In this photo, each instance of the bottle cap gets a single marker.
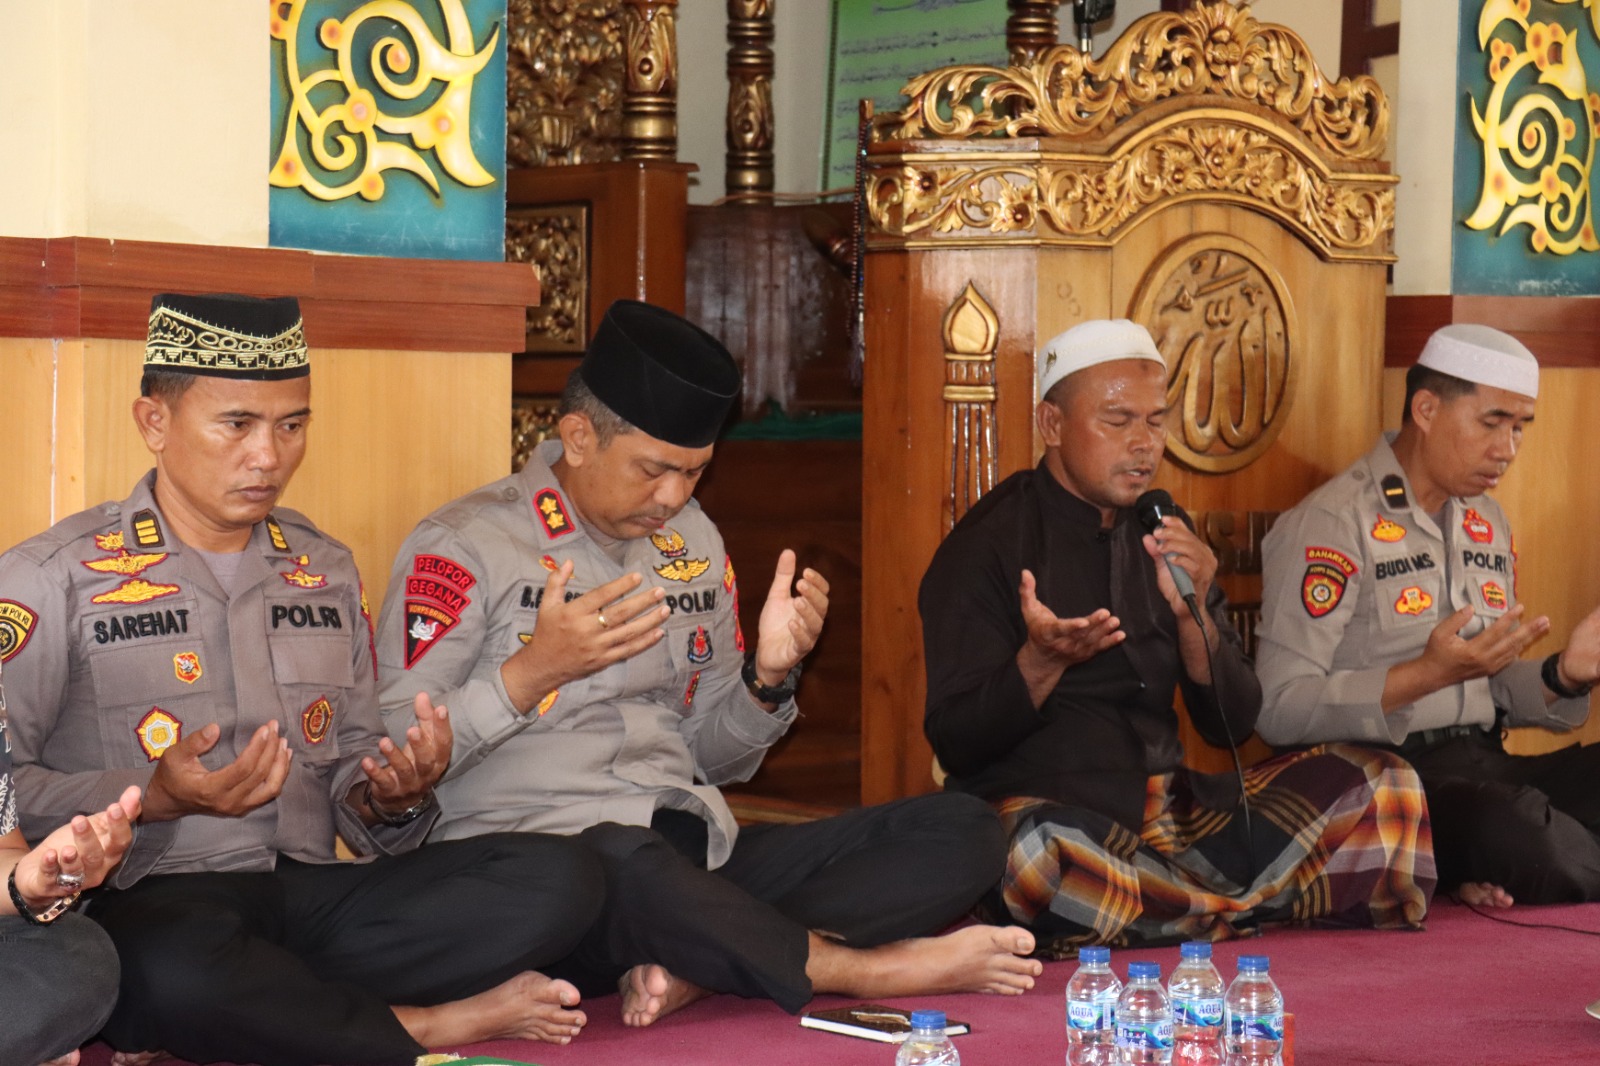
(927, 1019)
(1253, 964)
(1093, 956)
(1139, 970)
(1195, 949)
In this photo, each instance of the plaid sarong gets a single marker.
(1340, 836)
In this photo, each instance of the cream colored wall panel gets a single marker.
(27, 370)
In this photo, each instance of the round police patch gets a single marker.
(16, 626)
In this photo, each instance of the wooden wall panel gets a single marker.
(1550, 498)
(29, 386)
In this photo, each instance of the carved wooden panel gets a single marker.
(564, 74)
(555, 239)
(971, 335)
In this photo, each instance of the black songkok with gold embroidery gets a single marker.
(223, 335)
(662, 373)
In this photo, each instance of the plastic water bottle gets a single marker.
(1253, 1016)
(927, 1045)
(1196, 991)
(1144, 1018)
(1092, 1010)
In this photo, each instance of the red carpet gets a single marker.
(1467, 992)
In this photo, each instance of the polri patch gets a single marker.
(1394, 492)
(552, 513)
(683, 569)
(1477, 528)
(135, 590)
(426, 623)
(147, 530)
(157, 731)
(275, 534)
(1494, 596)
(1387, 531)
(699, 646)
(1413, 601)
(16, 626)
(299, 578)
(669, 543)
(315, 720)
(186, 667)
(688, 693)
(126, 563)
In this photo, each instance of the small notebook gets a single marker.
(871, 1021)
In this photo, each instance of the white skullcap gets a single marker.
(1091, 343)
(1484, 356)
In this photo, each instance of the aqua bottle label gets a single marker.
(1096, 1016)
(1267, 1026)
(1151, 1035)
(1205, 1011)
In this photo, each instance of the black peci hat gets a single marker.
(662, 373)
(223, 335)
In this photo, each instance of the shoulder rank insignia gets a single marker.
(298, 577)
(315, 720)
(157, 731)
(1494, 597)
(186, 666)
(1413, 601)
(548, 702)
(669, 543)
(1394, 492)
(1387, 531)
(147, 530)
(1477, 527)
(699, 646)
(109, 542)
(125, 563)
(683, 569)
(275, 533)
(135, 590)
(552, 513)
(16, 626)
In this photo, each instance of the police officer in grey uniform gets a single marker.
(580, 618)
(214, 649)
(1390, 616)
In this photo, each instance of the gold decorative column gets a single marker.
(1030, 29)
(750, 121)
(650, 87)
(971, 335)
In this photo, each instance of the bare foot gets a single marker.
(530, 1006)
(650, 993)
(1482, 894)
(136, 1058)
(69, 1059)
(978, 958)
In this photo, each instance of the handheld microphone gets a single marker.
(1150, 509)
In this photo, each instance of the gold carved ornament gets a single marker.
(1090, 200)
(564, 73)
(971, 333)
(1222, 317)
(443, 128)
(554, 239)
(750, 115)
(1210, 49)
(1523, 128)
(534, 420)
(650, 79)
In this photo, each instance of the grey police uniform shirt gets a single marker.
(659, 730)
(118, 641)
(1354, 580)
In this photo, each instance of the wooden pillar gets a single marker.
(750, 115)
(1030, 29)
(650, 86)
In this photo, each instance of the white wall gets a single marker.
(1423, 141)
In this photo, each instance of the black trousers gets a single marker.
(1527, 823)
(866, 877)
(299, 967)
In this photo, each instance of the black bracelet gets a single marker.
(44, 917)
(1550, 674)
(781, 693)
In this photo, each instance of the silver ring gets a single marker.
(600, 616)
(71, 882)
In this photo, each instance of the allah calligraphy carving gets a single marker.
(1223, 319)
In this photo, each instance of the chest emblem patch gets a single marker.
(552, 513)
(1388, 532)
(186, 666)
(16, 626)
(157, 731)
(699, 646)
(315, 720)
(125, 563)
(304, 580)
(135, 590)
(683, 569)
(669, 543)
(109, 542)
(1477, 528)
(1413, 601)
(688, 693)
(1494, 596)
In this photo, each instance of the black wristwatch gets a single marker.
(780, 693)
(1550, 674)
(33, 917)
(405, 817)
